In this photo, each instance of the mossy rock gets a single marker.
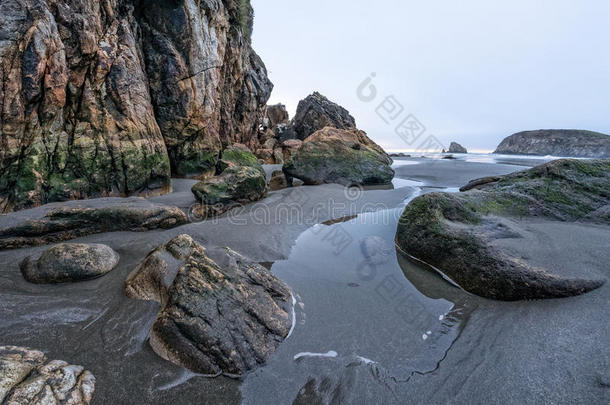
(451, 231)
(195, 162)
(340, 156)
(233, 157)
(234, 186)
(88, 169)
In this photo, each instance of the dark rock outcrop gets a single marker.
(317, 112)
(27, 378)
(68, 262)
(453, 231)
(557, 142)
(340, 156)
(103, 98)
(455, 147)
(59, 222)
(214, 319)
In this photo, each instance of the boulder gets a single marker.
(557, 142)
(238, 155)
(241, 180)
(62, 221)
(69, 262)
(27, 378)
(278, 181)
(454, 232)
(316, 112)
(346, 157)
(225, 318)
(265, 156)
(235, 186)
(276, 115)
(278, 156)
(290, 146)
(455, 147)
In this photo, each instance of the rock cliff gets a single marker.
(109, 98)
(557, 142)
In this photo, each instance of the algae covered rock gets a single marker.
(217, 317)
(239, 155)
(67, 262)
(27, 378)
(62, 221)
(241, 181)
(340, 156)
(453, 231)
(236, 185)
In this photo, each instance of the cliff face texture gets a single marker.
(109, 98)
(557, 142)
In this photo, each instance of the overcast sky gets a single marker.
(473, 71)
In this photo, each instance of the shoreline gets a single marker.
(338, 308)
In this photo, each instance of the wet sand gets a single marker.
(384, 329)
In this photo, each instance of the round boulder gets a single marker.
(70, 262)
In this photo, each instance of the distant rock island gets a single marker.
(456, 148)
(557, 142)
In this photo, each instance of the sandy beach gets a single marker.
(369, 328)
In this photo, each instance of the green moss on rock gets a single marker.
(451, 231)
(340, 156)
(235, 185)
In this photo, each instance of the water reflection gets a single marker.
(385, 318)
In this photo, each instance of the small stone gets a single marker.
(278, 181)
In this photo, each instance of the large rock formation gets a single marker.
(281, 136)
(67, 262)
(456, 148)
(58, 222)
(102, 98)
(340, 156)
(316, 112)
(557, 142)
(455, 232)
(214, 319)
(27, 378)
